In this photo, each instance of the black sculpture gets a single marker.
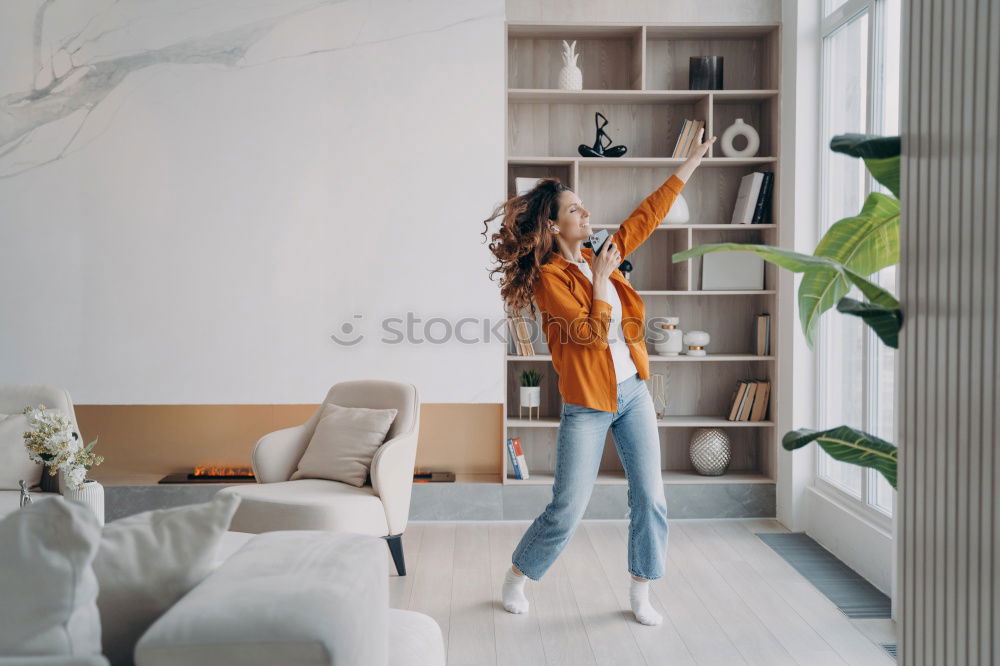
(599, 149)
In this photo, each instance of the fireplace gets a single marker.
(213, 474)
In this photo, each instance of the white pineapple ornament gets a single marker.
(570, 76)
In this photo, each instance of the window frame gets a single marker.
(838, 19)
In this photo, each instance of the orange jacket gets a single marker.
(576, 326)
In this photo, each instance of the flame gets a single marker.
(222, 470)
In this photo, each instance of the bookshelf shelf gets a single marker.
(694, 292)
(609, 478)
(696, 227)
(625, 162)
(665, 422)
(636, 75)
(656, 358)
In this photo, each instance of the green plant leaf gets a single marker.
(868, 241)
(867, 146)
(864, 244)
(826, 281)
(885, 321)
(880, 153)
(90, 447)
(849, 445)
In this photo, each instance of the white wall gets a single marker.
(214, 188)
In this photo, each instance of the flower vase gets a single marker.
(91, 495)
(50, 483)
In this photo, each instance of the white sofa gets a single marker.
(296, 598)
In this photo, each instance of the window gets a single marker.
(860, 94)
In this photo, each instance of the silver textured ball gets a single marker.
(711, 451)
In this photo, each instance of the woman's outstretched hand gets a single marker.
(694, 159)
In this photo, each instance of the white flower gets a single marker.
(75, 476)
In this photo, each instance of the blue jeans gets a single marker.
(579, 446)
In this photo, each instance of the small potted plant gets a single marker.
(531, 392)
(54, 443)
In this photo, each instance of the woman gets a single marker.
(594, 323)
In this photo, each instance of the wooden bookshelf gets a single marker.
(636, 75)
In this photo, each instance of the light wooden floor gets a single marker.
(726, 599)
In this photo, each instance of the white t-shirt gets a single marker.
(624, 366)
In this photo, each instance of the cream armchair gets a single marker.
(381, 509)
(14, 462)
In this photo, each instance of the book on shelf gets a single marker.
(738, 397)
(762, 211)
(522, 337)
(759, 410)
(513, 458)
(687, 137)
(680, 138)
(746, 198)
(763, 334)
(749, 402)
(517, 461)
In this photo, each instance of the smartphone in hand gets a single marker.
(597, 241)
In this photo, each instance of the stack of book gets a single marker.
(750, 400)
(686, 140)
(521, 336)
(753, 201)
(762, 334)
(516, 455)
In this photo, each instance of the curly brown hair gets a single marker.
(524, 241)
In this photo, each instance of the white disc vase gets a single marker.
(739, 128)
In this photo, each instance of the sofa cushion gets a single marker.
(14, 462)
(308, 504)
(284, 598)
(344, 443)
(150, 560)
(48, 592)
(414, 639)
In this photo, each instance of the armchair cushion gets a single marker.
(148, 561)
(308, 504)
(344, 443)
(284, 598)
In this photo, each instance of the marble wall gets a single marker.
(195, 195)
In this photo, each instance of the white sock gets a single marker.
(514, 600)
(638, 596)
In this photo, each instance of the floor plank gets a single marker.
(605, 624)
(471, 638)
(659, 644)
(726, 598)
(518, 637)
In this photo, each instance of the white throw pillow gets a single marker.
(344, 443)
(14, 461)
(148, 561)
(48, 592)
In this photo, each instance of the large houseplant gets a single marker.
(851, 250)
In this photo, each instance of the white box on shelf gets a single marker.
(523, 185)
(731, 271)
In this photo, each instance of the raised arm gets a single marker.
(648, 215)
